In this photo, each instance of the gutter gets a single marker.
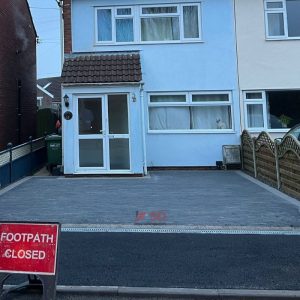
(102, 84)
(143, 128)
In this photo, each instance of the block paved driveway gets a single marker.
(214, 198)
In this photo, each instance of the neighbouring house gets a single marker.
(268, 43)
(17, 73)
(49, 93)
(148, 84)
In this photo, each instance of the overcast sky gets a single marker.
(46, 19)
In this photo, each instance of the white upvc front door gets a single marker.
(102, 134)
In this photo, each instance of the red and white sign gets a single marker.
(28, 248)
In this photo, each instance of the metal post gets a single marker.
(254, 158)
(10, 146)
(49, 287)
(31, 155)
(3, 277)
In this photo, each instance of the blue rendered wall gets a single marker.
(203, 66)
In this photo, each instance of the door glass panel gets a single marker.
(91, 153)
(119, 154)
(118, 114)
(90, 116)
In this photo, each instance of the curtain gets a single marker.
(275, 24)
(190, 22)
(255, 115)
(211, 117)
(163, 118)
(104, 25)
(210, 97)
(167, 98)
(191, 117)
(124, 28)
(160, 29)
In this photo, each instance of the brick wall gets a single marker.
(17, 64)
(67, 27)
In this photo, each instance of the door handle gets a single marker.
(102, 131)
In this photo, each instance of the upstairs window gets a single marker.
(282, 18)
(160, 24)
(114, 25)
(170, 23)
(153, 23)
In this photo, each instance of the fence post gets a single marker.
(254, 158)
(242, 153)
(276, 143)
(10, 146)
(31, 155)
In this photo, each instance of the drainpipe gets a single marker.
(143, 128)
(61, 25)
(239, 92)
(19, 111)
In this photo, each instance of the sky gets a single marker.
(46, 18)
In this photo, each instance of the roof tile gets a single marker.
(102, 68)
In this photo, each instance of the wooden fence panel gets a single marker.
(265, 159)
(247, 153)
(266, 166)
(275, 163)
(289, 166)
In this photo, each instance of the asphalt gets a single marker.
(195, 261)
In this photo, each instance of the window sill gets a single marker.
(228, 131)
(279, 130)
(149, 43)
(279, 39)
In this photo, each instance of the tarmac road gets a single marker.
(180, 260)
(202, 261)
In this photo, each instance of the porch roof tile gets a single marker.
(102, 69)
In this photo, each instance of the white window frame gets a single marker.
(137, 16)
(199, 22)
(190, 103)
(262, 101)
(285, 21)
(178, 14)
(145, 16)
(115, 17)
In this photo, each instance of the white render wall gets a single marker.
(263, 64)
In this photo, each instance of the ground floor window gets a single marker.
(271, 109)
(190, 112)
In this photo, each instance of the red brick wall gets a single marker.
(67, 26)
(17, 62)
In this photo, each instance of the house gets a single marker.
(49, 93)
(148, 84)
(17, 73)
(268, 43)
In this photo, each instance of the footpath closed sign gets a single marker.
(28, 248)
